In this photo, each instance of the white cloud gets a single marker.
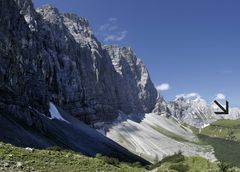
(115, 37)
(188, 95)
(220, 96)
(111, 32)
(192, 95)
(163, 87)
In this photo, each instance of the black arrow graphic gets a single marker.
(224, 111)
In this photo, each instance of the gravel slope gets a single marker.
(154, 137)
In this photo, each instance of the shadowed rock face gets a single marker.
(21, 79)
(66, 64)
(48, 56)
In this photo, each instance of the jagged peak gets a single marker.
(50, 14)
(188, 97)
(80, 29)
(117, 47)
(48, 7)
(126, 52)
(74, 17)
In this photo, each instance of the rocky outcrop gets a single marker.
(27, 11)
(161, 107)
(134, 90)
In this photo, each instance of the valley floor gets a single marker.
(224, 136)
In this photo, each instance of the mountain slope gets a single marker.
(154, 137)
(69, 133)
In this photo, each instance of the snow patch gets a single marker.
(55, 113)
(205, 125)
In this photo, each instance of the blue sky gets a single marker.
(192, 46)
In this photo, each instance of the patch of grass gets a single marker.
(224, 129)
(224, 136)
(225, 150)
(227, 123)
(169, 134)
(56, 159)
(179, 163)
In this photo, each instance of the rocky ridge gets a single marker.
(194, 111)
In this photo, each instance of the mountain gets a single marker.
(196, 112)
(52, 62)
(193, 110)
(77, 70)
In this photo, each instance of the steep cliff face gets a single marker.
(26, 9)
(70, 67)
(94, 92)
(22, 84)
(134, 89)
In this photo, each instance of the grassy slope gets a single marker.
(227, 151)
(224, 136)
(179, 163)
(56, 159)
(14, 159)
(225, 129)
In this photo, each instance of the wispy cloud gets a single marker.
(112, 19)
(228, 71)
(163, 87)
(110, 31)
(104, 27)
(115, 37)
